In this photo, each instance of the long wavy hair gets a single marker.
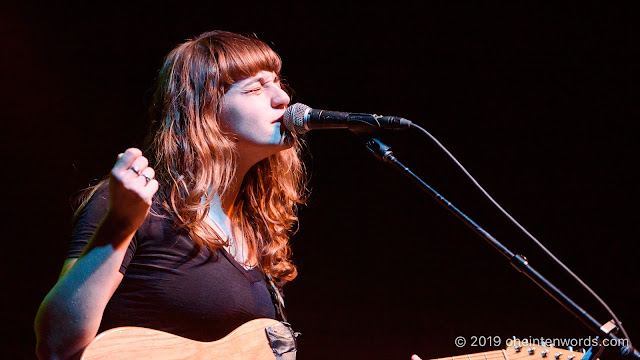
(194, 158)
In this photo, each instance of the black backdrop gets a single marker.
(538, 101)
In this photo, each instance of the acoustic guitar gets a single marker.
(251, 342)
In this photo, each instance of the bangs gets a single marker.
(248, 61)
(239, 57)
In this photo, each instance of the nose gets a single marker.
(280, 99)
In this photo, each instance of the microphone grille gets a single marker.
(293, 118)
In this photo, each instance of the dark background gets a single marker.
(539, 101)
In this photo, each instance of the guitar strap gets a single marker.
(276, 297)
(281, 337)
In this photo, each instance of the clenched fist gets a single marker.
(131, 190)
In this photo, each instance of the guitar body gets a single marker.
(248, 341)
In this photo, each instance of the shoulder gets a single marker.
(93, 203)
(97, 197)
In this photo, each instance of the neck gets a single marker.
(220, 210)
(228, 196)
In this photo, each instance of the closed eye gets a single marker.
(253, 90)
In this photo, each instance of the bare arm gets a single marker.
(70, 315)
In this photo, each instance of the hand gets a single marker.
(131, 190)
(415, 357)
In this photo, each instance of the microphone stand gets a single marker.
(383, 153)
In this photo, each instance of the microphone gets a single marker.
(300, 118)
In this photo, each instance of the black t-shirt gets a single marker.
(170, 286)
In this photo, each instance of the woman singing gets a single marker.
(184, 238)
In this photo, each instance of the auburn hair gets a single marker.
(194, 159)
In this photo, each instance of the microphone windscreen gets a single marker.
(293, 118)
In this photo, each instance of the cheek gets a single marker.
(227, 124)
(240, 126)
(247, 121)
(230, 118)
